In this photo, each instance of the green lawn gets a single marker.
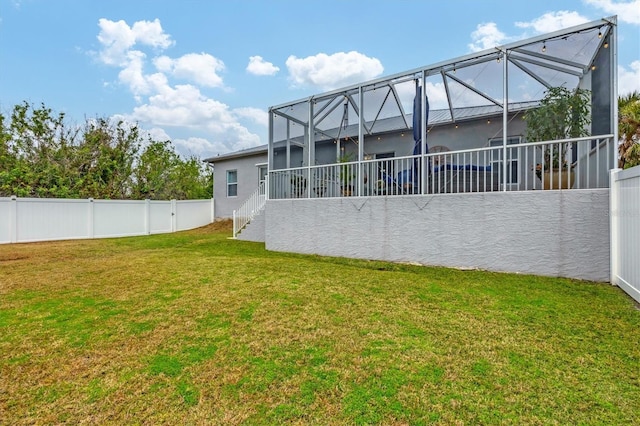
(193, 328)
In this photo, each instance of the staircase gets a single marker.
(252, 207)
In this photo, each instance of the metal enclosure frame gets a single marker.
(506, 78)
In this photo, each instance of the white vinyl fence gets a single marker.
(45, 219)
(625, 230)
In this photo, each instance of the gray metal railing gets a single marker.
(577, 163)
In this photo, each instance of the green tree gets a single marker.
(153, 172)
(162, 174)
(41, 155)
(36, 149)
(105, 158)
(194, 179)
(562, 114)
(629, 130)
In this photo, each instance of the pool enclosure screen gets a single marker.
(472, 105)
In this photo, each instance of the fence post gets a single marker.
(13, 219)
(147, 216)
(614, 211)
(174, 218)
(91, 214)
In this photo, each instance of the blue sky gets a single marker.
(204, 73)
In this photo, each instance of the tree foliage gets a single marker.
(629, 130)
(562, 114)
(42, 156)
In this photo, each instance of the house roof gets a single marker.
(256, 150)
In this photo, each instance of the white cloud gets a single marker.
(158, 134)
(166, 107)
(151, 34)
(437, 95)
(200, 68)
(628, 12)
(200, 147)
(259, 66)
(553, 21)
(117, 38)
(132, 73)
(486, 36)
(254, 114)
(190, 146)
(629, 80)
(332, 71)
(184, 106)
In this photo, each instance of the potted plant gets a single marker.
(562, 114)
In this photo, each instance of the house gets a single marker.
(236, 176)
(433, 166)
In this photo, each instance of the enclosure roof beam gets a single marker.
(397, 98)
(549, 66)
(380, 109)
(530, 73)
(333, 108)
(551, 58)
(288, 117)
(448, 93)
(466, 64)
(481, 56)
(357, 110)
(562, 33)
(473, 89)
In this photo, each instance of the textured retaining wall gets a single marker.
(554, 233)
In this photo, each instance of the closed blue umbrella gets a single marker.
(417, 134)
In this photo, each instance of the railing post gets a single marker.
(234, 224)
(505, 117)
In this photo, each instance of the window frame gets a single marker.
(231, 184)
(262, 172)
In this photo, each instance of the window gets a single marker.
(232, 183)
(262, 173)
(385, 168)
(512, 159)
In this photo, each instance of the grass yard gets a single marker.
(193, 328)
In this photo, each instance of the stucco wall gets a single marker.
(555, 233)
(248, 180)
(254, 231)
(468, 135)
